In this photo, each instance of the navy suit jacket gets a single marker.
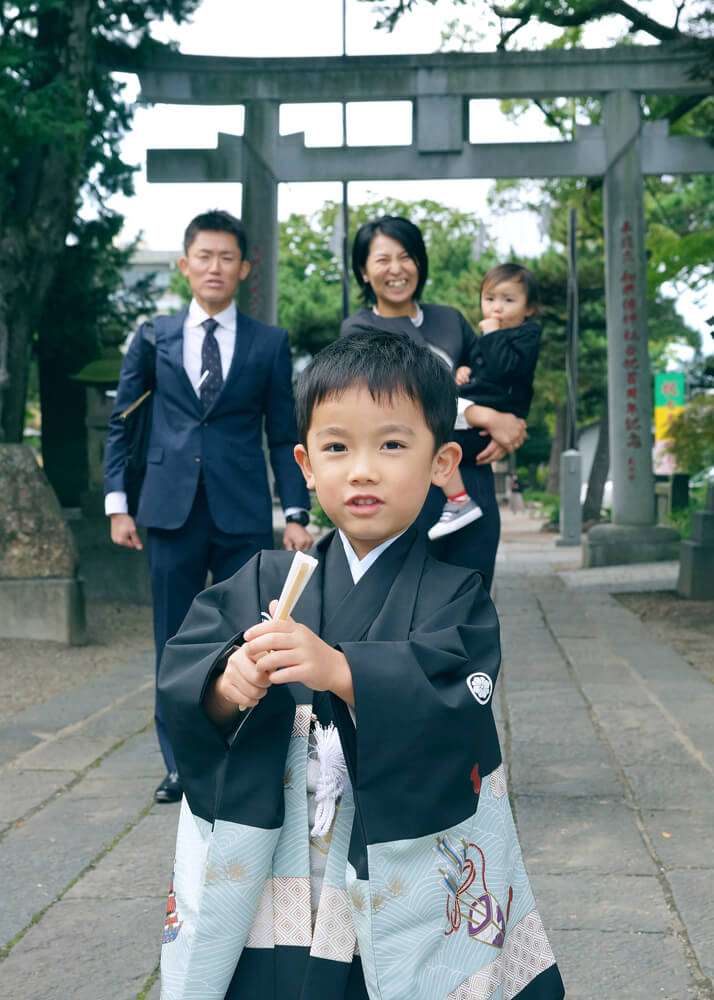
(225, 442)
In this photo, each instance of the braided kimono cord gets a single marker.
(333, 773)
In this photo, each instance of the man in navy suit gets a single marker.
(205, 501)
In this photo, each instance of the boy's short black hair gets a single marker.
(514, 272)
(216, 221)
(387, 364)
(399, 229)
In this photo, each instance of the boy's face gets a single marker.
(214, 268)
(507, 302)
(371, 463)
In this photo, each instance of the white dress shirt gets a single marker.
(193, 336)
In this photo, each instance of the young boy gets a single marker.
(501, 376)
(423, 894)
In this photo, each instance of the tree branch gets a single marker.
(507, 35)
(684, 106)
(549, 117)
(590, 11)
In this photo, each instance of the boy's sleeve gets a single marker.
(190, 661)
(240, 780)
(425, 731)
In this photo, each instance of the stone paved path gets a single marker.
(609, 745)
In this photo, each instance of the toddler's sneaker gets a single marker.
(455, 516)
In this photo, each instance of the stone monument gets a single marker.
(41, 596)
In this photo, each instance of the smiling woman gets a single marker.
(391, 265)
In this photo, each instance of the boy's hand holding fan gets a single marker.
(243, 677)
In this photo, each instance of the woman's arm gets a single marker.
(507, 431)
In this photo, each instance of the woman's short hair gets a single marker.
(399, 229)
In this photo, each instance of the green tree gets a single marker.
(87, 312)
(61, 118)
(692, 435)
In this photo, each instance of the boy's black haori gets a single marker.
(424, 892)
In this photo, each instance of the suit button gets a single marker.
(197, 459)
(204, 423)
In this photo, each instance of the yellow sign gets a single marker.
(664, 415)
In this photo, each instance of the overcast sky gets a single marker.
(314, 27)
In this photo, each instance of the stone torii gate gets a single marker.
(439, 87)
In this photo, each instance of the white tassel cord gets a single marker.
(333, 774)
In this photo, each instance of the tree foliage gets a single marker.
(61, 118)
(87, 311)
(692, 435)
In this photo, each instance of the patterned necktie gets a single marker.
(210, 362)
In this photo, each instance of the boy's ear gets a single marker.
(245, 268)
(303, 460)
(183, 265)
(445, 463)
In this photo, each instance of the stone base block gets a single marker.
(696, 571)
(48, 608)
(619, 544)
(110, 572)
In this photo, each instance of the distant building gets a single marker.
(162, 264)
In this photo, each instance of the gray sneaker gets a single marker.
(455, 516)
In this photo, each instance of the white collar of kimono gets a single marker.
(416, 320)
(358, 567)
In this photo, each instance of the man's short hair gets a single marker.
(514, 272)
(216, 221)
(399, 229)
(387, 364)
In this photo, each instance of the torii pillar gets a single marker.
(633, 535)
(259, 293)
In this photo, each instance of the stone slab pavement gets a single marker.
(609, 748)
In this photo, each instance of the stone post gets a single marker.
(259, 294)
(696, 567)
(633, 535)
(571, 509)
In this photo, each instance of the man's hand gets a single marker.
(287, 651)
(463, 374)
(489, 325)
(297, 539)
(124, 532)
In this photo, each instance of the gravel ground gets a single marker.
(33, 671)
(686, 625)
